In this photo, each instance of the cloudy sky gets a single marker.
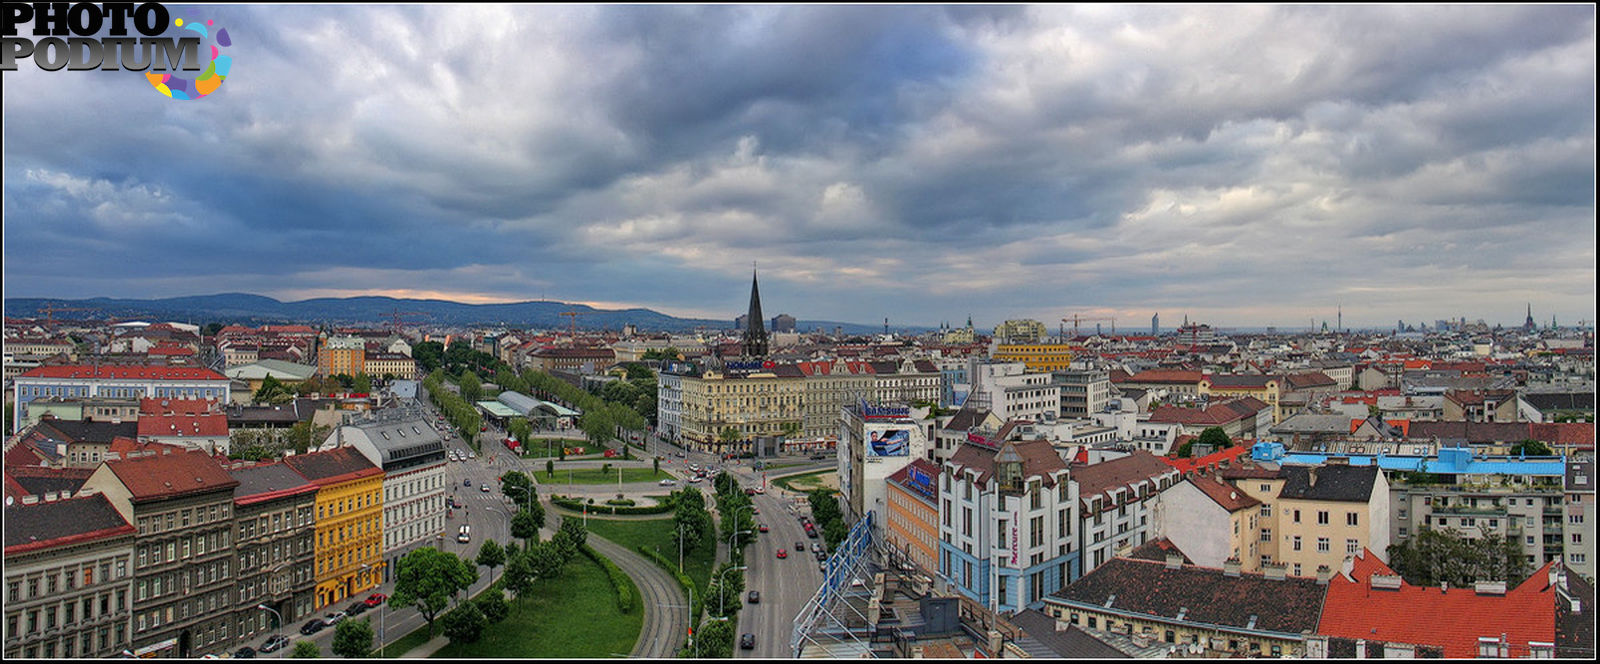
(1247, 165)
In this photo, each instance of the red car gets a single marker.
(376, 598)
(763, 527)
(783, 553)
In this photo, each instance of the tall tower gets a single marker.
(1155, 325)
(755, 331)
(1339, 326)
(1529, 325)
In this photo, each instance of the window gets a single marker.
(1266, 534)
(1322, 545)
(1350, 519)
(1352, 546)
(1402, 513)
(1297, 516)
(1266, 510)
(1296, 542)
(1322, 517)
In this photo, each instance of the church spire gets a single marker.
(755, 331)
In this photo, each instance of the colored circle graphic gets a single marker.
(183, 85)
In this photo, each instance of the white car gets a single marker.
(666, 482)
(694, 480)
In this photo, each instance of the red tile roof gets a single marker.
(1210, 461)
(208, 425)
(1095, 479)
(133, 372)
(177, 406)
(1166, 376)
(171, 475)
(1224, 494)
(1453, 619)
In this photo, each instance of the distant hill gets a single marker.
(257, 309)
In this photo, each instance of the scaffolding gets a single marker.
(835, 619)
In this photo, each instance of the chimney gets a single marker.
(1444, 587)
(1490, 588)
(1348, 568)
(1311, 476)
(1275, 572)
(1324, 574)
(1230, 567)
(51, 496)
(1174, 561)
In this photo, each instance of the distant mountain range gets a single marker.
(248, 309)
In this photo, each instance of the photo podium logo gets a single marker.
(119, 36)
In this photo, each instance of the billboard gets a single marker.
(888, 442)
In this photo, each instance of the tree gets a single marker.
(834, 532)
(727, 591)
(790, 429)
(518, 487)
(729, 435)
(465, 623)
(272, 391)
(490, 555)
(691, 522)
(1531, 447)
(545, 560)
(1215, 437)
(305, 434)
(655, 465)
(362, 383)
(549, 468)
(353, 638)
(493, 605)
(306, 650)
(1431, 556)
(575, 530)
(597, 425)
(526, 523)
(429, 355)
(428, 579)
(471, 387)
(519, 574)
(715, 639)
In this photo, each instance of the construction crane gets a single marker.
(50, 309)
(1080, 318)
(397, 315)
(572, 327)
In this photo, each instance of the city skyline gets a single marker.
(1247, 166)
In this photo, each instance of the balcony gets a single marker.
(1467, 510)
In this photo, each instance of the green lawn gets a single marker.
(804, 482)
(573, 615)
(416, 638)
(657, 533)
(594, 476)
(535, 449)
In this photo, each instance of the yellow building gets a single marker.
(349, 539)
(1024, 330)
(1320, 514)
(342, 355)
(761, 403)
(1264, 485)
(1265, 388)
(1038, 358)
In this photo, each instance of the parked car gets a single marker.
(334, 618)
(356, 609)
(244, 653)
(376, 598)
(817, 457)
(747, 641)
(816, 547)
(821, 555)
(811, 532)
(471, 454)
(274, 642)
(754, 597)
(312, 627)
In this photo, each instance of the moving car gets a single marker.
(312, 627)
(747, 641)
(465, 535)
(376, 598)
(762, 527)
(783, 553)
(754, 597)
(665, 483)
(466, 482)
(274, 642)
(799, 546)
(484, 488)
(817, 457)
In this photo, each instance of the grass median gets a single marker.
(657, 534)
(595, 476)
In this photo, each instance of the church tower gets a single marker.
(755, 331)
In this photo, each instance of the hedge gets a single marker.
(577, 506)
(683, 579)
(626, 601)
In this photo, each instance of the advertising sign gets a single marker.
(889, 442)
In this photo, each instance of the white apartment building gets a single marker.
(1118, 504)
(412, 456)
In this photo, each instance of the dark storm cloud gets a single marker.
(1252, 163)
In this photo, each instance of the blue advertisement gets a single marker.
(889, 443)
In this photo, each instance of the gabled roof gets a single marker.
(1039, 459)
(1350, 484)
(123, 372)
(264, 482)
(1429, 615)
(335, 466)
(75, 431)
(1223, 494)
(55, 523)
(1163, 376)
(1071, 643)
(1099, 478)
(170, 475)
(40, 480)
(1201, 594)
(1247, 381)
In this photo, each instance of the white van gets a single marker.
(465, 535)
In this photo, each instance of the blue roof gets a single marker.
(1450, 461)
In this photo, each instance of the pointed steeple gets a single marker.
(755, 331)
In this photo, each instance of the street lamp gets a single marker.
(722, 592)
(264, 607)
(735, 531)
(380, 620)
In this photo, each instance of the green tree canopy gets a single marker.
(714, 639)
(1531, 447)
(353, 638)
(306, 650)
(493, 605)
(465, 623)
(428, 579)
(1432, 556)
(519, 488)
(273, 391)
(471, 387)
(362, 383)
(491, 555)
(1215, 437)
(525, 524)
